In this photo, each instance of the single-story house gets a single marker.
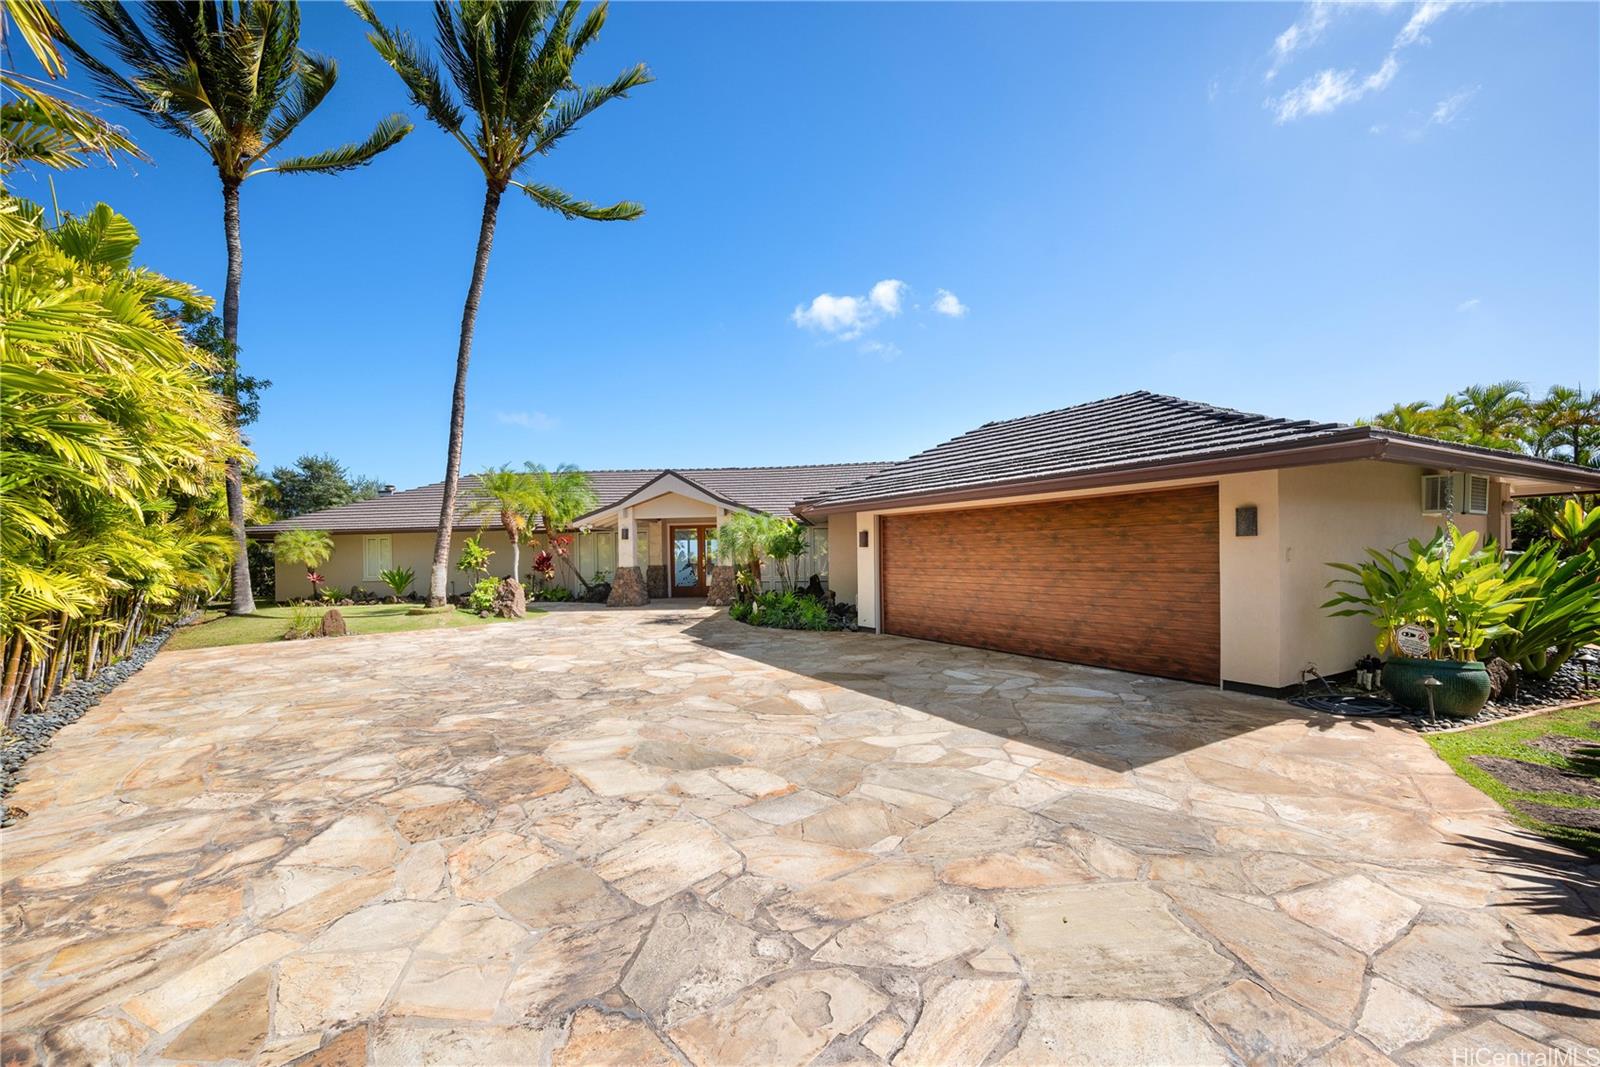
(1142, 532)
(669, 518)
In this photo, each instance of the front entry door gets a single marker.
(694, 548)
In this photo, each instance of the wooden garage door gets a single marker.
(1129, 581)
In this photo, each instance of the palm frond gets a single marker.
(548, 196)
(389, 132)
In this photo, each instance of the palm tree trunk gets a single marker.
(438, 578)
(244, 601)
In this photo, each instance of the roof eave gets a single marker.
(1329, 451)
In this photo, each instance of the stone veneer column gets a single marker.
(627, 589)
(627, 585)
(720, 590)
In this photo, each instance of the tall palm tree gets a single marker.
(510, 65)
(557, 498)
(509, 494)
(230, 76)
(1495, 415)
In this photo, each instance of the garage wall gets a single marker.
(1333, 513)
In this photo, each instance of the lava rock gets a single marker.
(332, 624)
(509, 602)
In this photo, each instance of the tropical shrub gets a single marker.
(308, 548)
(398, 579)
(332, 594)
(785, 611)
(474, 557)
(112, 444)
(1561, 613)
(482, 596)
(745, 540)
(1459, 592)
(554, 594)
(304, 621)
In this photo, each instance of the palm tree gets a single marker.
(1416, 417)
(232, 78)
(510, 65)
(1565, 418)
(557, 498)
(309, 548)
(508, 493)
(1494, 415)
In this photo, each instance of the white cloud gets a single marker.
(1468, 305)
(530, 420)
(946, 303)
(1329, 90)
(1303, 33)
(885, 296)
(1449, 109)
(886, 350)
(844, 316)
(1425, 15)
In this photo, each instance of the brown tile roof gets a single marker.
(771, 489)
(1130, 437)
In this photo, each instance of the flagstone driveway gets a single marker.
(658, 836)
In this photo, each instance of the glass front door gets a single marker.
(693, 549)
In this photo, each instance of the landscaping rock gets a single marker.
(30, 732)
(509, 602)
(1502, 679)
(332, 625)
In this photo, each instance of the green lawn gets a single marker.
(1511, 740)
(216, 629)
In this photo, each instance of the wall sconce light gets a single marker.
(1244, 521)
(861, 539)
(624, 533)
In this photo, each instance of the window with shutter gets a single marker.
(377, 557)
(1436, 493)
(1477, 494)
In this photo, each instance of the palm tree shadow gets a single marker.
(1550, 881)
(1113, 719)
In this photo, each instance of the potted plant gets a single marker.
(1435, 605)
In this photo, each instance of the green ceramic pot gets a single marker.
(1462, 693)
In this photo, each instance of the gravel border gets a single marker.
(30, 733)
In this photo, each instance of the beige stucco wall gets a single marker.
(1272, 584)
(414, 550)
(842, 557)
(1332, 514)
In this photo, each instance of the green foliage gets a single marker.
(784, 611)
(1563, 424)
(398, 579)
(474, 557)
(1562, 611)
(508, 93)
(332, 594)
(230, 77)
(553, 594)
(482, 596)
(746, 539)
(1575, 529)
(307, 548)
(203, 329)
(317, 482)
(304, 619)
(39, 127)
(1459, 591)
(111, 439)
(509, 494)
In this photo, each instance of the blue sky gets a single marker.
(1302, 210)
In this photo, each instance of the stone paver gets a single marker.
(657, 836)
